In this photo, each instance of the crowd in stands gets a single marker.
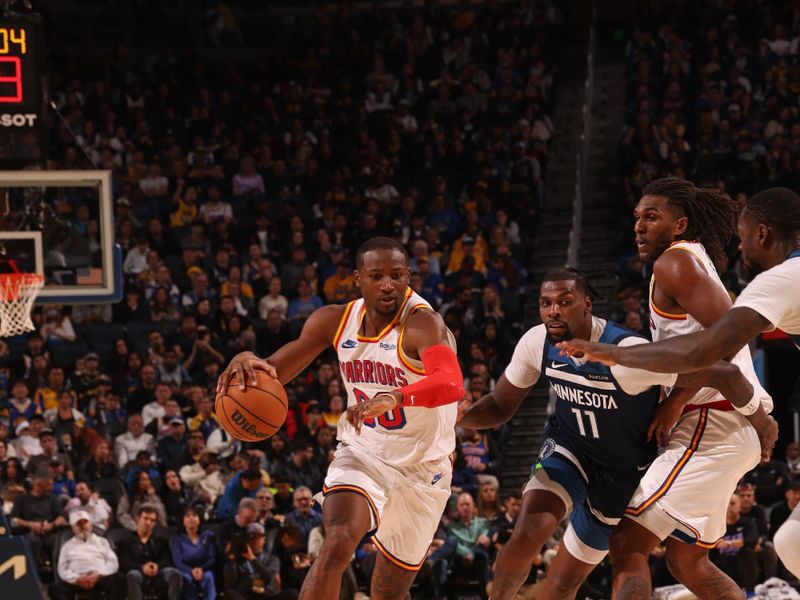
(712, 97)
(241, 192)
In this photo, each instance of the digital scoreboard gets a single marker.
(22, 89)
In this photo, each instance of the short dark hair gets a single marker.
(251, 474)
(146, 508)
(569, 274)
(779, 209)
(378, 243)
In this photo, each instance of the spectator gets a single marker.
(97, 509)
(46, 397)
(20, 406)
(136, 259)
(293, 554)
(467, 545)
(57, 327)
(205, 420)
(503, 523)
(12, 477)
(204, 476)
(135, 440)
(100, 465)
(26, 444)
(173, 446)
(735, 552)
(335, 410)
(142, 493)
(266, 503)
(37, 515)
(253, 573)
(770, 479)
(47, 441)
(244, 484)
(301, 466)
(177, 497)
(488, 500)
(340, 287)
(194, 555)
(302, 516)
(170, 370)
(305, 303)
(273, 300)
(145, 559)
(86, 562)
(749, 509)
(156, 408)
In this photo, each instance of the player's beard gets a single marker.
(750, 270)
(564, 338)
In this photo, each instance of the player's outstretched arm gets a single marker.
(425, 337)
(683, 353)
(289, 360)
(496, 407)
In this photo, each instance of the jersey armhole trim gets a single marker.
(342, 322)
(658, 311)
(406, 360)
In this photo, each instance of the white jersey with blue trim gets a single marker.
(407, 435)
(664, 325)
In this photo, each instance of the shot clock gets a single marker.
(22, 89)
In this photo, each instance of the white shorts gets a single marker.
(406, 502)
(685, 492)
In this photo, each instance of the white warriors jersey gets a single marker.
(407, 435)
(664, 325)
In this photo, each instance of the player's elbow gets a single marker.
(454, 391)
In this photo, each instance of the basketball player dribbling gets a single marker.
(769, 230)
(391, 472)
(682, 499)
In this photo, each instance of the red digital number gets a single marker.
(14, 80)
(395, 419)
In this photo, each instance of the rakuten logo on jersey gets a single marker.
(18, 119)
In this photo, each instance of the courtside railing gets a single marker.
(582, 162)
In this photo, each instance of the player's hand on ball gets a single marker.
(594, 352)
(374, 407)
(244, 366)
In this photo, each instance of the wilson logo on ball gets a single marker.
(245, 425)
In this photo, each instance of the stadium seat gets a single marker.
(65, 354)
(102, 337)
(137, 334)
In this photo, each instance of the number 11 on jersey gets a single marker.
(592, 422)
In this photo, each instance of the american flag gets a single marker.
(89, 276)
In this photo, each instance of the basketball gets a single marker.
(254, 413)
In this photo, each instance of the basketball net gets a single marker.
(18, 292)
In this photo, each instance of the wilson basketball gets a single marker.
(255, 413)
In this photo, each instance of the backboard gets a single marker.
(60, 224)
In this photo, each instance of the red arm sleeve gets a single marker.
(443, 383)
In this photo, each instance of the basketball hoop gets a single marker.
(18, 292)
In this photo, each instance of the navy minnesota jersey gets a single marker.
(594, 418)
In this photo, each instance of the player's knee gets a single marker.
(526, 540)
(339, 545)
